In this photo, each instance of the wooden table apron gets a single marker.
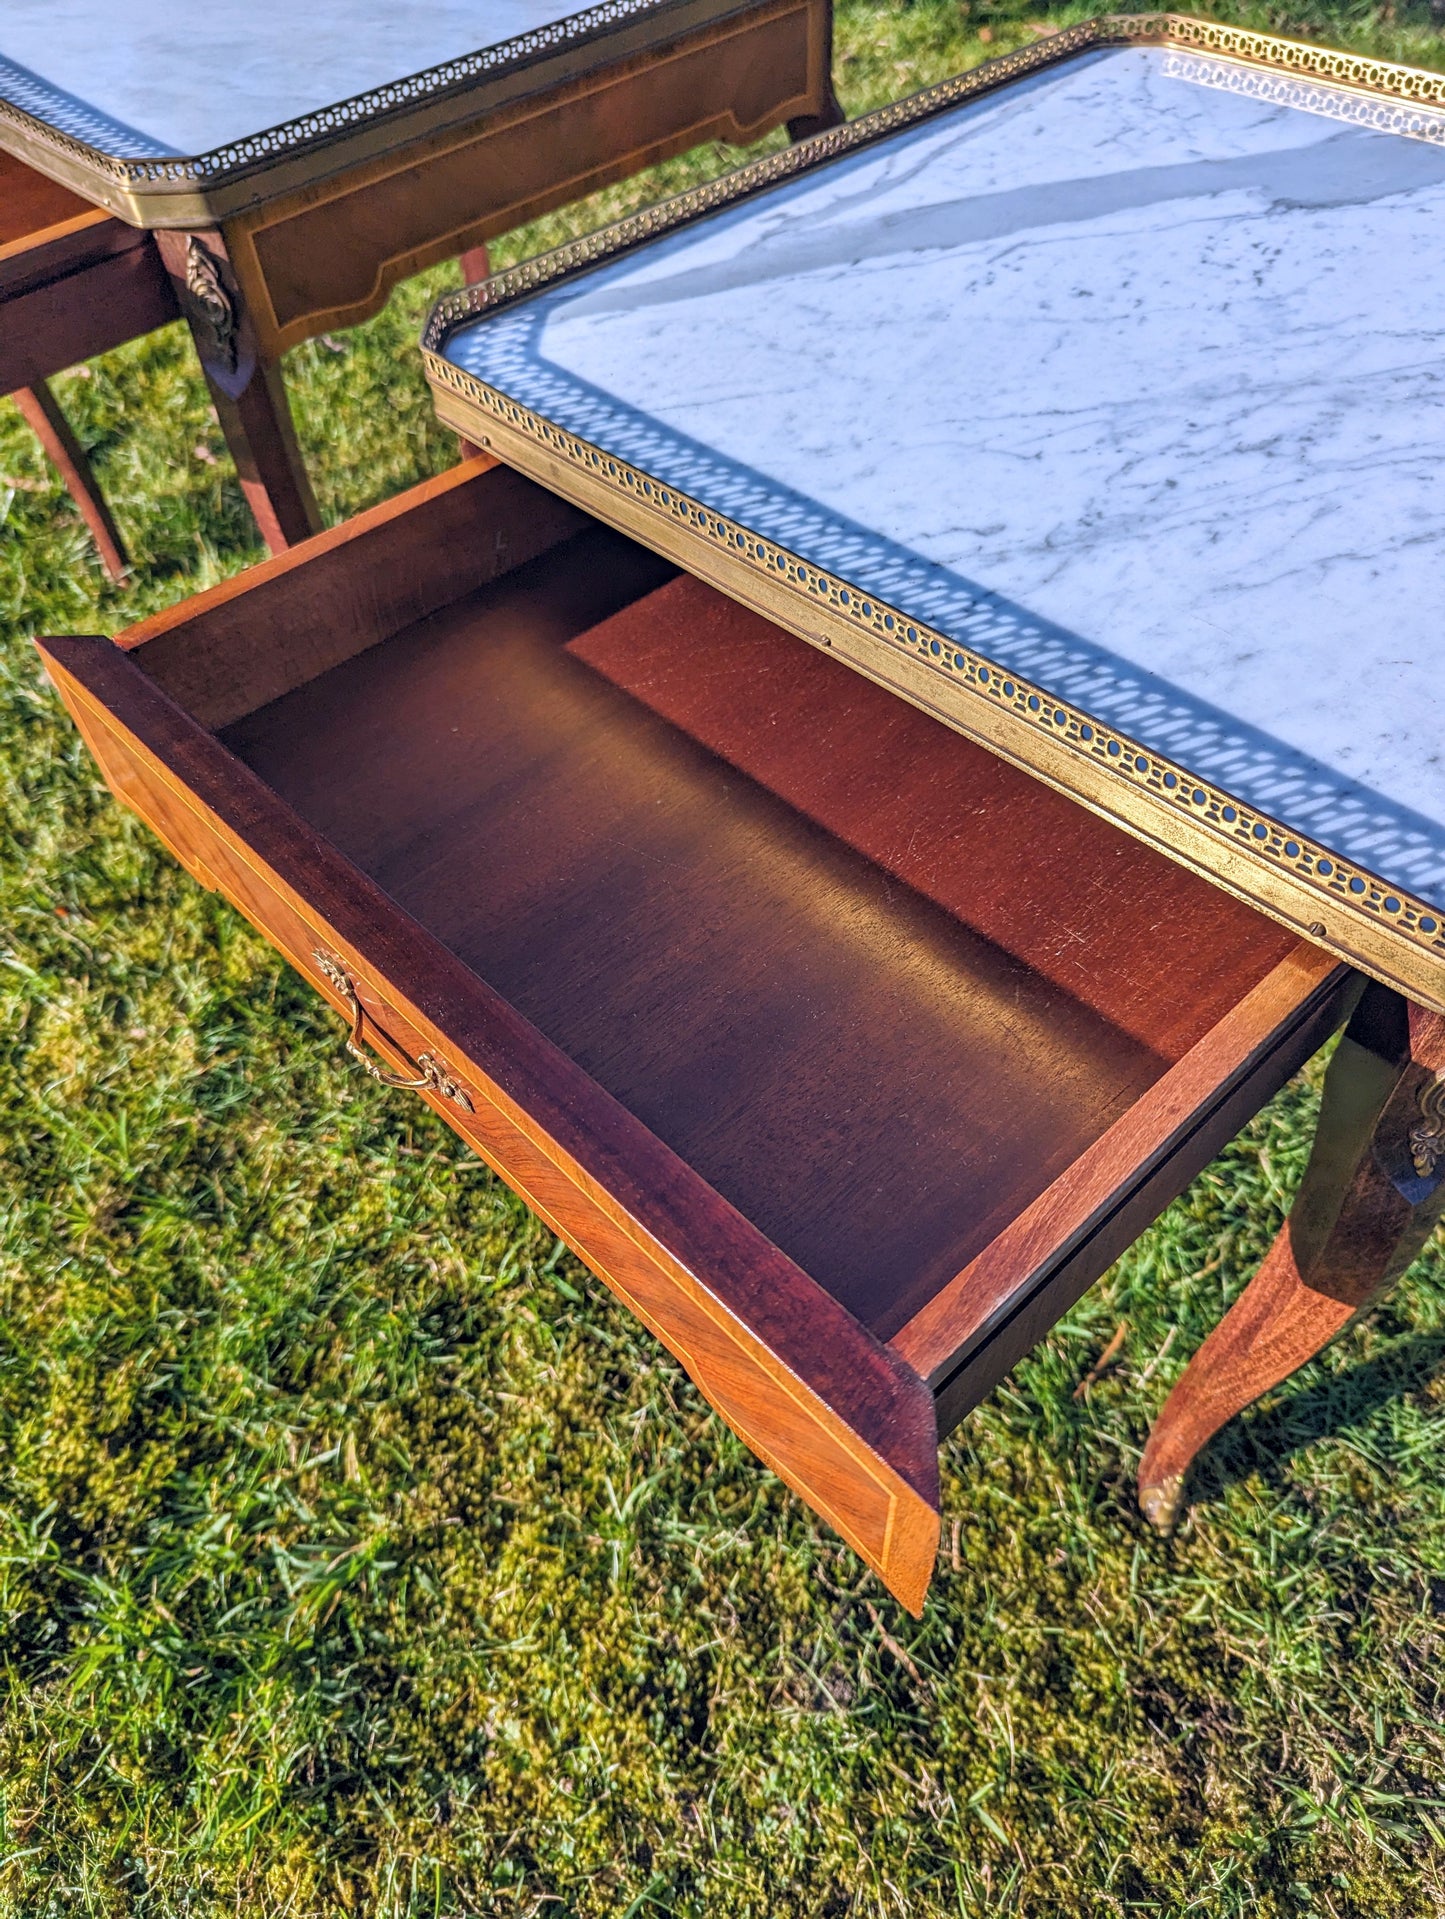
(304, 236)
(1376, 1184)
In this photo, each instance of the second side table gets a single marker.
(293, 171)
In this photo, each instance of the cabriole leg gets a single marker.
(52, 429)
(1372, 1192)
(249, 395)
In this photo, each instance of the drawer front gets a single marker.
(845, 1423)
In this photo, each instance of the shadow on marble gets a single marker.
(1310, 798)
(67, 113)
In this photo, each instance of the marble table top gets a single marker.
(151, 79)
(1130, 377)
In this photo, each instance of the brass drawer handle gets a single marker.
(430, 1072)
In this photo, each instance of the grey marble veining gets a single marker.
(1127, 377)
(150, 77)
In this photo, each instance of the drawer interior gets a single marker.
(878, 988)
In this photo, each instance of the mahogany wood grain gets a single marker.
(1372, 1193)
(840, 1418)
(802, 126)
(842, 1042)
(74, 281)
(959, 1313)
(325, 254)
(94, 290)
(261, 436)
(997, 1312)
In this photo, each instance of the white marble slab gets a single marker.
(1131, 381)
(153, 77)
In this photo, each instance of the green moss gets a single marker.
(359, 1554)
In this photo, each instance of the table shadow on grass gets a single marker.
(1262, 1441)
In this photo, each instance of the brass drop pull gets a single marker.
(430, 1073)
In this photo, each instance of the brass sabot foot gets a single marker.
(1161, 1504)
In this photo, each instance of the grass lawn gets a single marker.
(359, 1555)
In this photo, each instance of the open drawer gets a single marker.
(845, 1053)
